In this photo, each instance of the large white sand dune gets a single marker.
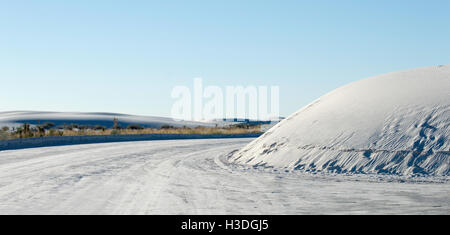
(16, 118)
(396, 123)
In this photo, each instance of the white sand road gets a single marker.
(190, 177)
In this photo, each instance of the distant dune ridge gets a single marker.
(396, 123)
(17, 118)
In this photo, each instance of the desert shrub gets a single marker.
(68, 127)
(83, 127)
(3, 135)
(18, 132)
(116, 125)
(48, 125)
(99, 128)
(40, 130)
(52, 132)
(115, 132)
(24, 131)
(5, 129)
(244, 126)
(135, 127)
(167, 127)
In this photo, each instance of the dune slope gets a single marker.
(396, 123)
(17, 118)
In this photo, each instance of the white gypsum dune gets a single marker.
(16, 118)
(396, 123)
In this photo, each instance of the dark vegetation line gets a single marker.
(49, 129)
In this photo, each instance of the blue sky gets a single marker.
(126, 56)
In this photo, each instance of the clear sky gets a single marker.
(126, 56)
